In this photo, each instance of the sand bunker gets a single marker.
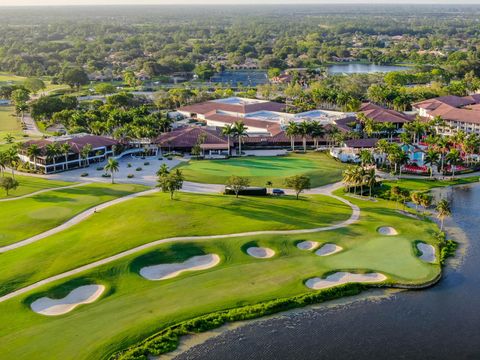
(307, 245)
(168, 271)
(387, 230)
(81, 295)
(328, 249)
(428, 252)
(340, 278)
(260, 252)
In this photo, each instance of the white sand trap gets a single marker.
(387, 230)
(168, 271)
(428, 252)
(328, 249)
(260, 252)
(340, 278)
(308, 245)
(81, 295)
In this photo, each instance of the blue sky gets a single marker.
(159, 2)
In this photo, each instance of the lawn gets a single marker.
(321, 169)
(30, 184)
(23, 218)
(9, 124)
(133, 308)
(10, 78)
(426, 184)
(152, 217)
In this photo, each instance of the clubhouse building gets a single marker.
(54, 159)
(458, 113)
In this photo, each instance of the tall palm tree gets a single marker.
(304, 129)
(12, 159)
(443, 144)
(366, 157)
(228, 131)
(65, 149)
(240, 133)
(292, 131)
(52, 151)
(112, 167)
(431, 158)
(3, 162)
(317, 131)
(443, 210)
(453, 158)
(85, 152)
(33, 151)
(370, 180)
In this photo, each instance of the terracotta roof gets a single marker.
(76, 143)
(453, 108)
(342, 124)
(209, 106)
(188, 137)
(380, 114)
(361, 143)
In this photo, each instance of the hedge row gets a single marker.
(167, 339)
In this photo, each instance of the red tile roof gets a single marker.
(380, 114)
(453, 108)
(188, 137)
(76, 143)
(270, 126)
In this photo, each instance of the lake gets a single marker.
(363, 68)
(442, 322)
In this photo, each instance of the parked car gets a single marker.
(278, 192)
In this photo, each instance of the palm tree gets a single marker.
(228, 131)
(240, 133)
(9, 138)
(12, 159)
(65, 149)
(52, 151)
(292, 131)
(443, 210)
(85, 152)
(442, 145)
(163, 170)
(3, 162)
(304, 129)
(366, 157)
(317, 131)
(370, 180)
(416, 199)
(382, 147)
(431, 158)
(453, 158)
(33, 151)
(111, 166)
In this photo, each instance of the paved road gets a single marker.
(32, 128)
(353, 218)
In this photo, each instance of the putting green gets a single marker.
(321, 169)
(133, 308)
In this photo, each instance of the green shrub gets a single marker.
(106, 175)
(99, 168)
(138, 169)
(448, 250)
(129, 165)
(130, 176)
(146, 163)
(84, 174)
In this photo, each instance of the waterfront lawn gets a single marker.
(133, 308)
(31, 184)
(426, 184)
(23, 218)
(152, 217)
(320, 167)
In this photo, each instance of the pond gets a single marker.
(363, 68)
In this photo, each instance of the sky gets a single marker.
(223, 2)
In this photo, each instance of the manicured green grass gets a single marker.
(133, 308)
(9, 124)
(10, 78)
(321, 168)
(152, 217)
(23, 218)
(427, 184)
(30, 184)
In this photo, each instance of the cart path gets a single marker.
(44, 191)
